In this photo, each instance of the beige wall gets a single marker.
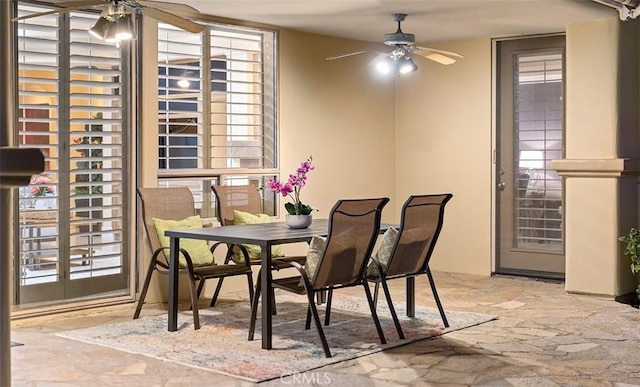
(443, 137)
(335, 112)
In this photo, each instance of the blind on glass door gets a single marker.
(96, 158)
(38, 127)
(539, 134)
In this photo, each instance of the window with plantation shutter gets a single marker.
(73, 91)
(217, 109)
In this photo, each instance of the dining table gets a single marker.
(264, 235)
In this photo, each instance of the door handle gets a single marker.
(501, 186)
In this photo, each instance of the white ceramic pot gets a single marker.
(299, 221)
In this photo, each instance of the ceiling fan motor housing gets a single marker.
(399, 38)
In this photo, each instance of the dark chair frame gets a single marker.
(422, 218)
(175, 204)
(342, 263)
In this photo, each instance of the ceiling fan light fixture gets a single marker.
(110, 35)
(386, 65)
(406, 65)
(114, 25)
(124, 27)
(99, 30)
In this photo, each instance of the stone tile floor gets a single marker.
(543, 337)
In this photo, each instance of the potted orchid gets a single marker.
(291, 188)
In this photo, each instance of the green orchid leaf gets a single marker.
(305, 209)
(291, 209)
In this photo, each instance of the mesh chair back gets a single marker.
(353, 228)
(420, 224)
(175, 203)
(244, 198)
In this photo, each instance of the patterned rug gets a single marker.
(221, 343)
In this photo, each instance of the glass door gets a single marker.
(530, 135)
(72, 92)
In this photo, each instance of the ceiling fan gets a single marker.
(117, 10)
(400, 57)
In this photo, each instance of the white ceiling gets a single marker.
(429, 20)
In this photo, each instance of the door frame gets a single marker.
(494, 147)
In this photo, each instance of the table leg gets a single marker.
(267, 296)
(411, 297)
(174, 249)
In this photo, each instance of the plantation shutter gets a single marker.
(73, 105)
(242, 99)
(539, 127)
(96, 116)
(217, 110)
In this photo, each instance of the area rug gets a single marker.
(221, 345)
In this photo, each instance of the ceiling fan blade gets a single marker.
(340, 56)
(82, 3)
(59, 10)
(434, 56)
(174, 20)
(443, 52)
(440, 56)
(67, 6)
(178, 9)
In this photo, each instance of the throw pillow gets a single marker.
(198, 249)
(241, 217)
(384, 251)
(316, 247)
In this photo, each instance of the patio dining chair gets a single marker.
(337, 261)
(406, 252)
(173, 208)
(232, 200)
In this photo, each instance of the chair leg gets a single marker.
(316, 319)
(374, 314)
(376, 289)
(273, 302)
(327, 313)
(307, 324)
(194, 302)
(250, 283)
(435, 295)
(214, 298)
(392, 309)
(145, 287)
(254, 309)
(200, 287)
